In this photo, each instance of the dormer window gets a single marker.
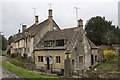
(59, 42)
(48, 43)
(54, 28)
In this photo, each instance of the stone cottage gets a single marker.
(49, 46)
(25, 41)
(51, 50)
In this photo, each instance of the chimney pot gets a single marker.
(36, 20)
(23, 27)
(80, 23)
(50, 14)
(19, 31)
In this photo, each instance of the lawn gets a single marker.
(23, 73)
(111, 65)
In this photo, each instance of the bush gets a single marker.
(22, 64)
(13, 55)
(3, 54)
(17, 62)
(8, 52)
(109, 54)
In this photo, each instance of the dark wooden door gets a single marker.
(48, 63)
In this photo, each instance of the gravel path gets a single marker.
(5, 73)
(8, 74)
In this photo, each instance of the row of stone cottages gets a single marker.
(49, 46)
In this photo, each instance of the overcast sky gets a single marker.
(13, 14)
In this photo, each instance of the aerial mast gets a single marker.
(76, 12)
(50, 5)
(34, 12)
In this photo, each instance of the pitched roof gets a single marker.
(32, 30)
(38, 27)
(70, 35)
(67, 34)
(92, 44)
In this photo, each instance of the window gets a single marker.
(59, 42)
(48, 43)
(40, 58)
(95, 57)
(57, 59)
(81, 59)
(54, 28)
(29, 38)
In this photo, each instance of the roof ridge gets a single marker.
(39, 25)
(69, 28)
(91, 43)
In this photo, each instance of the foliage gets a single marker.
(10, 39)
(101, 31)
(8, 52)
(109, 54)
(13, 55)
(4, 42)
(23, 73)
(3, 54)
(22, 64)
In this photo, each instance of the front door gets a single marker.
(92, 59)
(48, 63)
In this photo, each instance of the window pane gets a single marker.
(48, 43)
(95, 57)
(81, 59)
(57, 59)
(59, 42)
(38, 58)
(41, 58)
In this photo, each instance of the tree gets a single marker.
(4, 43)
(10, 39)
(101, 31)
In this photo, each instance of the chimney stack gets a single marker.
(36, 20)
(80, 23)
(19, 31)
(23, 27)
(50, 14)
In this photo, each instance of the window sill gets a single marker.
(59, 46)
(57, 63)
(40, 62)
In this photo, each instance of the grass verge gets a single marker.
(23, 64)
(23, 73)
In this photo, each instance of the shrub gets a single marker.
(13, 55)
(22, 64)
(17, 62)
(109, 54)
(3, 54)
(8, 52)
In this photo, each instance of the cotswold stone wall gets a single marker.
(53, 54)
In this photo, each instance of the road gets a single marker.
(5, 73)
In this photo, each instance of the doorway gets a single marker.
(92, 59)
(73, 64)
(48, 63)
